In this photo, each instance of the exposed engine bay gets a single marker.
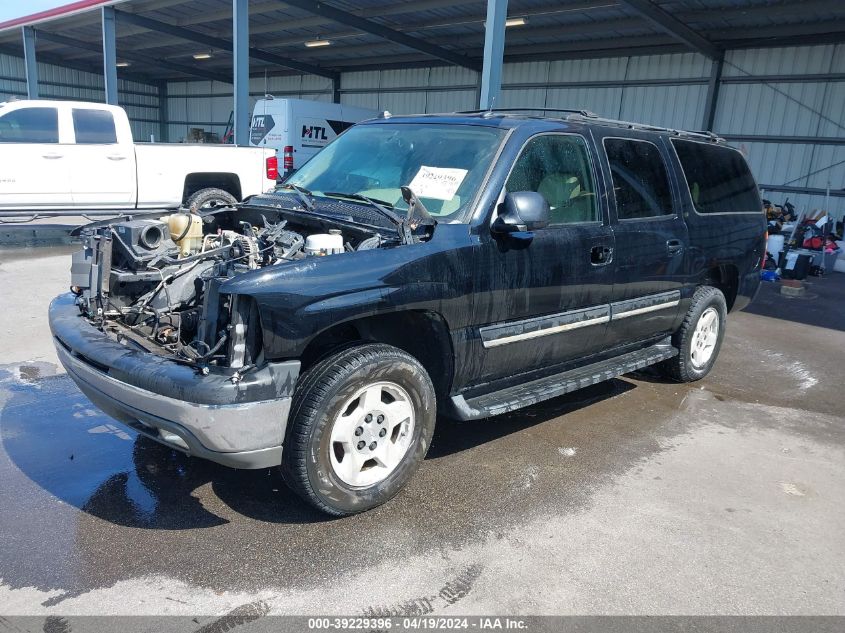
(153, 282)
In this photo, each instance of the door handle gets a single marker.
(52, 155)
(674, 246)
(116, 157)
(601, 255)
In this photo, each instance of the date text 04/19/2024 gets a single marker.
(428, 623)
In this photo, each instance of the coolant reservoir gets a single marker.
(324, 244)
(192, 240)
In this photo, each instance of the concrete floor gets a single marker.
(637, 496)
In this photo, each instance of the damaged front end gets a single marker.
(138, 284)
(150, 335)
(154, 283)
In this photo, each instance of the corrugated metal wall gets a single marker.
(788, 108)
(140, 100)
(665, 90)
(208, 104)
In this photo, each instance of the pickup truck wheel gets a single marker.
(360, 425)
(699, 338)
(210, 198)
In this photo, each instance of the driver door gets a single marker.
(35, 165)
(547, 302)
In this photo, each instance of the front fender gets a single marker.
(301, 299)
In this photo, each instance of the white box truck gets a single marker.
(297, 128)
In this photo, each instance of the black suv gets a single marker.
(465, 264)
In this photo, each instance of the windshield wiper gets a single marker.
(379, 205)
(305, 196)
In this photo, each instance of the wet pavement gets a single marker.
(633, 496)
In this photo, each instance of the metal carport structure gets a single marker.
(158, 42)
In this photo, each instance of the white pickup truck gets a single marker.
(68, 155)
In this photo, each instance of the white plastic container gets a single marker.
(178, 223)
(323, 244)
(775, 244)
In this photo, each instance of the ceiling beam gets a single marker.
(674, 27)
(392, 9)
(135, 57)
(367, 26)
(94, 69)
(417, 27)
(216, 42)
(771, 11)
(476, 40)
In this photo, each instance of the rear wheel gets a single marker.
(699, 338)
(210, 198)
(361, 422)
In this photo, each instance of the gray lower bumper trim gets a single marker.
(242, 435)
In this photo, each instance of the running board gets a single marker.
(529, 393)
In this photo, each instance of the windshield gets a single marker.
(444, 165)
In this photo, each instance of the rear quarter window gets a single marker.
(718, 178)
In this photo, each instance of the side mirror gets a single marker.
(521, 212)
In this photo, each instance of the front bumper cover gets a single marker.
(238, 424)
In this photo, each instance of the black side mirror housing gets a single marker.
(521, 212)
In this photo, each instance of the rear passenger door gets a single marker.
(102, 165)
(651, 240)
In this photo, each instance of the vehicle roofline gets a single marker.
(518, 117)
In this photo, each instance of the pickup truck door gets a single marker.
(35, 163)
(102, 160)
(546, 303)
(651, 240)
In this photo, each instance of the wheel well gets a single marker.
(225, 181)
(726, 279)
(421, 333)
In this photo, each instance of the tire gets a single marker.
(697, 353)
(337, 460)
(210, 197)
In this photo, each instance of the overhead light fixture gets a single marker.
(317, 43)
(122, 64)
(516, 21)
(202, 55)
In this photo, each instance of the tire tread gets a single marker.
(305, 410)
(677, 368)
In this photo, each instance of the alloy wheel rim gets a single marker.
(704, 338)
(372, 434)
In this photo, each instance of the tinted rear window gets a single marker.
(718, 178)
(94, 126)
(640, 183)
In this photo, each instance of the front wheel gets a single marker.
(360, 425)
(699, 338)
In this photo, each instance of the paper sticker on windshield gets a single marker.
(437, 183)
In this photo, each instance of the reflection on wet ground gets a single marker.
(86, 503)
(128, 506)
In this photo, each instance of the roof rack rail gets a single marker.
(593, 117)
(657, 128)
(584, 113)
